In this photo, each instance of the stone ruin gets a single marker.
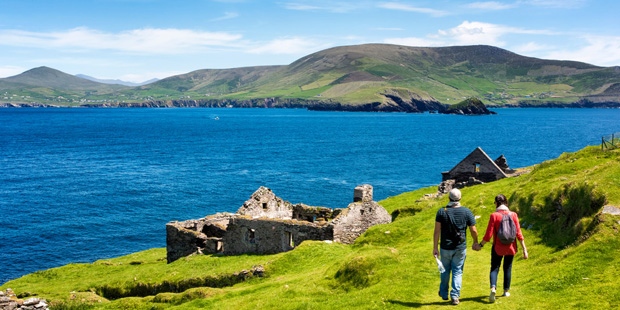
(266, 224)
(9, 301)
(476, 168)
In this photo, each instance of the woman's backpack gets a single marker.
(507, 231)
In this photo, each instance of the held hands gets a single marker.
(476, 247)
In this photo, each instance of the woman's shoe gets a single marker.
(492, 296)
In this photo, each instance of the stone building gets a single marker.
(267, 224)
(475, 168)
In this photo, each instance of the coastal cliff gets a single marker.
(393, 103)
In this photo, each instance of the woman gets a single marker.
(500, 250)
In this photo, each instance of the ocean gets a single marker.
(79, 184)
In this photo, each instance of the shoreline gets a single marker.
(312, 105)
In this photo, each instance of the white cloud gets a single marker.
(467, 33)
(6, 71)
(327, 6)
(292, 45)
(143, 41)
(491, 5)
(300, 7)
(599, 50)
(560, 4)
(408, 8)
(227, 15)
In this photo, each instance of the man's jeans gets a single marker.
(453, 261)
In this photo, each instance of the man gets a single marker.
(449, 223)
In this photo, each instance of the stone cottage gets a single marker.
(475, 168)
(267, 224)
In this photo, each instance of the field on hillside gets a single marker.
(574, 257)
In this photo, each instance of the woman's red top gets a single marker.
(494, 222)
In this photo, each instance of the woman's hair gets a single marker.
(501, 200)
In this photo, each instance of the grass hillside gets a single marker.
(45, 84)
(362, 74)
(208, 82)
(574, 257)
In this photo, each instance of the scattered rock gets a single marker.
(611, 210)
(31, 301)
(8, 301)
(446, 186)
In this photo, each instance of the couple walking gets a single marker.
(451, 223)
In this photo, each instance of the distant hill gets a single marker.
(112, 81)
(217, 81)
(52, 78)
(365, 77)
(45, 84)
(362, 74)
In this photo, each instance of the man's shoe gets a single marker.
(444, 298)
(492, 296)
(506, 294)
(455, 301)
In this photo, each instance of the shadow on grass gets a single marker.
(565, 216)
(480, 300)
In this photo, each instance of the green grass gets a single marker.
(574, 256)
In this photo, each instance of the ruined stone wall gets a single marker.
(181, 242)
(356, 219)
(303, 212)
(196, 236)
(362, 193)
(267, 224)
(264, 203)
(268, 236)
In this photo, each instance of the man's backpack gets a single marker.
(507, 231)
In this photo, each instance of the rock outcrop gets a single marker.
(469, 106)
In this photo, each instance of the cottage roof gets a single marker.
(480, 157)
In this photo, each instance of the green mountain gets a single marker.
(47, 84)
(366, 73)
(573, 257)
(385, 76)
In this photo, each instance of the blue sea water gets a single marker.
(77, 185)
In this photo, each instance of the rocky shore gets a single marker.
(393, 103)
(582, 103)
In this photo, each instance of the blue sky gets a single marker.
(136, 40)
